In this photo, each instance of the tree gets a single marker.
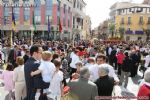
(112, 28)
(121, 31)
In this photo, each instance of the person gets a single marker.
(135, 61)
(32, 64)
(82, 87)
(26, 55)
(120, 57)
(12, 56)
(19, 79)
(7, 76)
(47, 70)
(145, 88)
(105, 83)
(101, 59)
(126, 67)
(76, 75)
(56, 86)
(75, 58)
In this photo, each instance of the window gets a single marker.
(37, 12)
(129, 20)
(122, 20)
(64, 8)
(26, 13)
(48, 7)
(141, 20)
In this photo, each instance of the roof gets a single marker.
(121, 5)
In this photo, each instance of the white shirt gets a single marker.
(109, 50)
(75, 59)
(55, 83)
(94, 73)
(48, 69)
(147, 61)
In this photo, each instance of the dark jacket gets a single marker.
(127, 64)
(105, 85)
(31, 65)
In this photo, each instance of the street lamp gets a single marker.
(32, 29)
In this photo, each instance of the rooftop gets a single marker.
(121, 5)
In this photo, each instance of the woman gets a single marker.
(7, 76)
(19, 79)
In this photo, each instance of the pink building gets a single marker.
(42, 11)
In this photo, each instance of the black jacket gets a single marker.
(127, 64)
(31, 65)
(105, 85)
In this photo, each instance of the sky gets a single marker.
(98, 10)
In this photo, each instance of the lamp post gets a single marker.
(32, 29)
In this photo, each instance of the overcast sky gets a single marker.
(98, 10)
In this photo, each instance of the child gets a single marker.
(47, 69)
(56, 87)
(7, 76)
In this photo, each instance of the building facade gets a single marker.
(78, 17)
(86, 33)
(42, 10)
(133, 19)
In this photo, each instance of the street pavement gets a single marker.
(132, 89)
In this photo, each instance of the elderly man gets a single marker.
(83, 88)
(145, 88)
(105, 83)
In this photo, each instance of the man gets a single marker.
(82, 87)
(101, 59)
(32, 63)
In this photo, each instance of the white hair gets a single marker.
(103, 70)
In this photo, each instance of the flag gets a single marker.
(49, 26)
(13, 21)
(60, 26)
(33, 22)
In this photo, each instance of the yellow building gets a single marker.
(133, 18)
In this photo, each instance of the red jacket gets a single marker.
(120, 58)
(144, 91)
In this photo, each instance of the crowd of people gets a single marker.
(57, 70)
